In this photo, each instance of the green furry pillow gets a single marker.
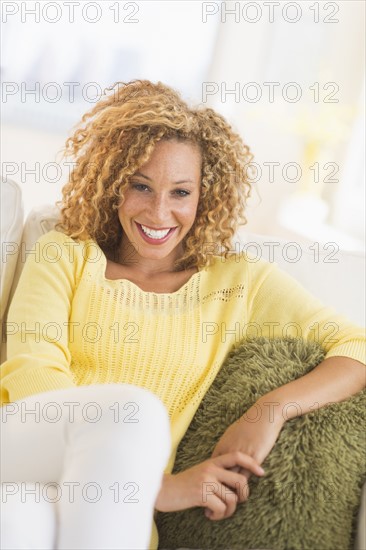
(310, 495)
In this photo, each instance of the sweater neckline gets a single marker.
(138, 289)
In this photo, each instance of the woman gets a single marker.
(141, 291)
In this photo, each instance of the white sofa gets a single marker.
(335, 277)
(12, 214)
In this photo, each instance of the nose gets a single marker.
(159, 209)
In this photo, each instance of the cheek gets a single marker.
(188, 211)
(129, 206)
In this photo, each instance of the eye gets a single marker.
(139, 186)
(181, 192)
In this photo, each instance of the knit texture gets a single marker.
(310, 494)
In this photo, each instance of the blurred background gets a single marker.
(288, 76)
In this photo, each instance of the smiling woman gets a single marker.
(157, 213)
(141, 142)
(160, 189)
(155, 218)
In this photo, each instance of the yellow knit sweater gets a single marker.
(68, 325)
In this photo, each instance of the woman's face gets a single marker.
(160, 203)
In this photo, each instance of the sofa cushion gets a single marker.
(310, 495)
(11, 233)
(40, 220)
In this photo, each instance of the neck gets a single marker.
(127, 255)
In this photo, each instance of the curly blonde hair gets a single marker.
(119, 136)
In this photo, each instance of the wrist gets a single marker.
(267, 408)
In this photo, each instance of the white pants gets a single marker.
(81, 468)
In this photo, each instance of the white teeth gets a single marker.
(155, 234)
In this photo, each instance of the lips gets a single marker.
(151, 240)
(155, 228)
(155, 234)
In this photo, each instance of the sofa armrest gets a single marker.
(12, 213)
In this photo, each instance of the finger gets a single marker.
(222, 504)
(237, 458)
(247, 475)
(245, 472)
(236, 482)
(243, 490)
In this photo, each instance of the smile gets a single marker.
(153, 235)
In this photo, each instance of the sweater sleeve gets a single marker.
(283, 307)
(38, 357)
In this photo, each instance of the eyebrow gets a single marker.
(147, 177)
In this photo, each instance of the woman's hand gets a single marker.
(253, 434)
(211, 484)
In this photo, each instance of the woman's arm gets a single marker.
(280, 302)
(256, 432)
(277, 302)
(38, 356)
(334, 379)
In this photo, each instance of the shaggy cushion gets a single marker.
(310, 494)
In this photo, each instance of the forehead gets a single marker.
(173, 156)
